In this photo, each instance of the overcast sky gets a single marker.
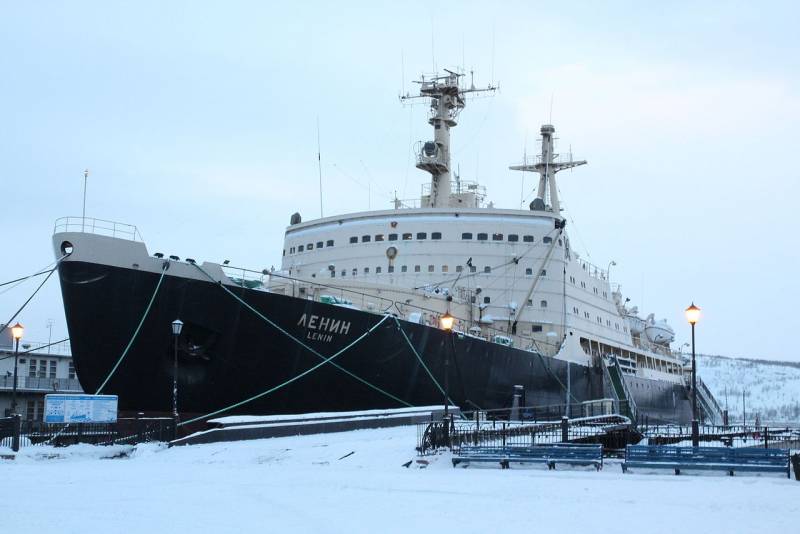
(198, 124)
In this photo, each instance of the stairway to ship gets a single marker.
(707, 403)
(627, 406)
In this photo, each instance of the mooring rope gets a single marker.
(138, 328)
(427, 370)
(303, 345)
(295, 378)
(49, 274)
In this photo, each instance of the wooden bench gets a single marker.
(550, 455)
(707, 458)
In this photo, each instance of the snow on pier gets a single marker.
(354, 482)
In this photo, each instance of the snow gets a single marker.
(243, 419)
(355, 482)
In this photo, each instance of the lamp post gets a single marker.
(693, 315)
(611, 264)
(177, 325)
(16, 332)
(446, 321)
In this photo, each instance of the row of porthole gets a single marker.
(431, 269)
(587, 315)
(420, 236)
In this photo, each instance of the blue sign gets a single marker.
(80, 408)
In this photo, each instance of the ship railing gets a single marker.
(718, 435)
(41, 348)
(91, 225)
(40, 383)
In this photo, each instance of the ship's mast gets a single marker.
(447, 101)
(547, 167)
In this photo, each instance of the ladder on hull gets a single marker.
(623, 396)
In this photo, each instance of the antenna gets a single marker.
(83, 216)
(319, 169)
(552, 96)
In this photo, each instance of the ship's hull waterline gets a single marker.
(227, 353)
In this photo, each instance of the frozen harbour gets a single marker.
(355, 482)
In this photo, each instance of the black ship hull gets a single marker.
(227, 353)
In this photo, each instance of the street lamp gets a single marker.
(447, 321)
(177, 326)
(611, 264)
(16, 332)
(693, 315)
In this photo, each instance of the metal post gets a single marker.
(695, 429)
(569, 392)
(766, 437)
(83, 216)
(15, 432)
(564, 429)
(14, 388)
(175, 391)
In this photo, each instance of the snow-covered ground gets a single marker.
(355, 482)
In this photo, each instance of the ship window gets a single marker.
(559, 242)
(392, 237)
(344, 272)
(575, 310)
(284, 252)
(599, 320)
(530, 302)
(466, 235)
(416, 268)
(483, 237)
(513, 238)
(527, 238)
(459, 268)
(430, 268)
(436, 235)
(366, 270)
(406, 237)
(543, 304)
(486, 300)
(473, 269)
(404, 269)
(292, 250)
(377, 270)
(378, 237)
(487, 269)
(616, 325)
(422, 235)
(625, 329)
(547, 239)
(329, 243)
(608, 322)
(310, 246)
(354, 239)
(390, 269)
(300, 248)
(320, 244)
(355, 271)
(528, 272)
(536, 328)
(444, 268)
(333, 274)
(586, 314)
(544, 272)
(366, 238)
(497, 237)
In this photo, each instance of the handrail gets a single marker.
(91, 225)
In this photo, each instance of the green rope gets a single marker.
(287, 382)
(136, 332)
(310, 349)
(414, 350)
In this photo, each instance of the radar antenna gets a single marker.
(547, 165)
(448, 98)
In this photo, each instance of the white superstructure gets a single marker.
(507, 275)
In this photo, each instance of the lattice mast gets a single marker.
(447, 100)
(547, 165)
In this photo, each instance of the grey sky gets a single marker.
(197, 123)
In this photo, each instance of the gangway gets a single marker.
(624, 398)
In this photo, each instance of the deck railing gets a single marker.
(90, 225)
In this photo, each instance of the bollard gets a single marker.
(564, 429)
(15, 432)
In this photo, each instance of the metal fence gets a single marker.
(728, 436)
(124, 431)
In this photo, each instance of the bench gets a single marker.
(707, 458)
(550, 455)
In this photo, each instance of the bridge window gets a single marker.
(444, 268)
(404, 269)
(344, 272)
(527, 239)
(536, 328)
(366, 270)
(487, 269)
(513, 238)
(416, 268)
(543, 304)
(529, 272)
(436, 235)
(390, 269)
(430, 268)
(483, 237)
(473, 269)
(547, 239)
(320, 244)
(392, 237)
(407, 236)
(379, 237)
(355, 271)
(329, 243)
(299, 248)
(310, 246)
(466, 235)
(366, 238)
(377, 270)
(459, 268)
(422, 235)
(486, 300)
(497, 237)
(354, 239)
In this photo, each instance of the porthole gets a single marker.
(66, 248)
